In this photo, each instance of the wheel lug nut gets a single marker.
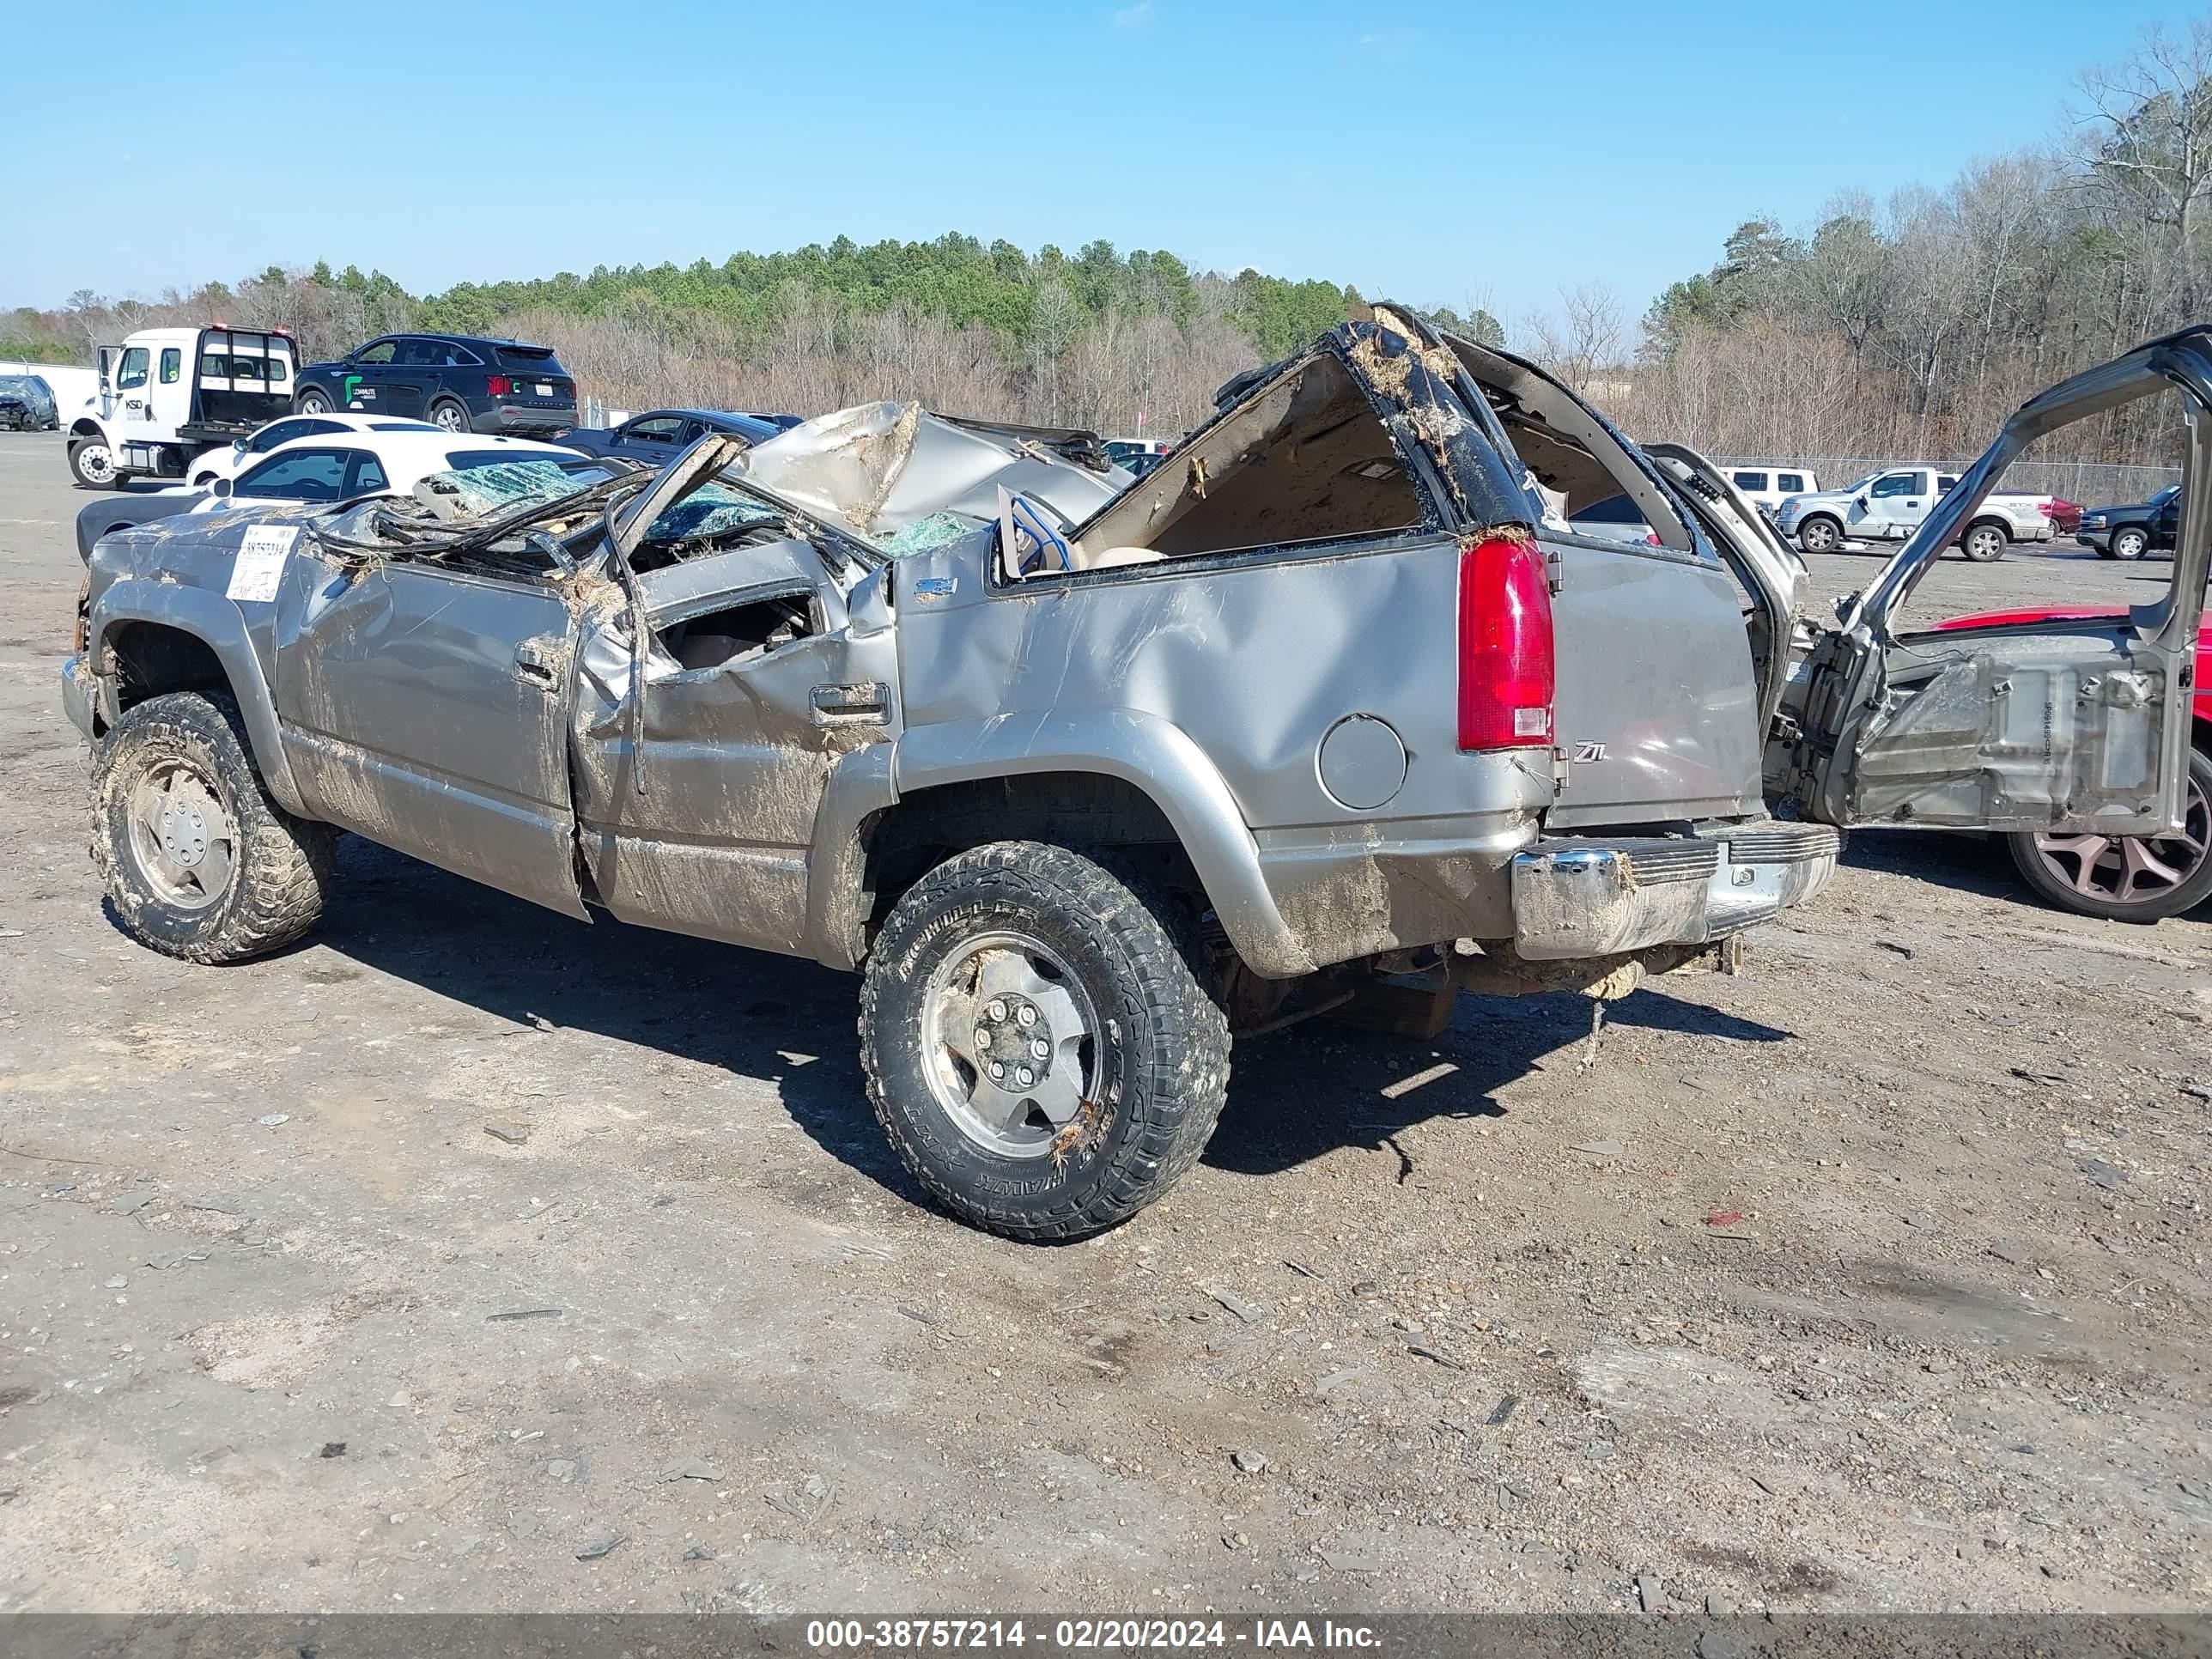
(995, 1012)
(982, 1038)
(1027, 1016)
(1025, 1077)
(1039, 1048)
(998, 1068)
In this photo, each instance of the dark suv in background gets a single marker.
(451, 381)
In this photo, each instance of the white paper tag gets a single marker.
(260, 562)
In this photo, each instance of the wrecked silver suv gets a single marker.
(1087, 774)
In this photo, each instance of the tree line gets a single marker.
(1113, 341)
(1911, 327)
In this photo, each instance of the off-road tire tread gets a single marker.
(1177, 1092)
(285, 863)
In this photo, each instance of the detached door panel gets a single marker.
(2076, 724)
(428, 710)
(2042, 727)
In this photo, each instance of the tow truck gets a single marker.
(168, 395)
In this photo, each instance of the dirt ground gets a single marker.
(410, 1268)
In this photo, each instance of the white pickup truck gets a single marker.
(1889, 506)
(167, 395)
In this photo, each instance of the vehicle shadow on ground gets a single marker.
(1293, 1096)
(1311, 1089)
(777, 1019)
(1971, 863)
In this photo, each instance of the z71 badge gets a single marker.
(1588, 751)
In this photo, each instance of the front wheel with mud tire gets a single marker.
(198, 860)
(1043, 1040)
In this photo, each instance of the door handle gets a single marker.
(866, 704)
(538, 662)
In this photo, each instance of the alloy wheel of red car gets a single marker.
(2127, 870)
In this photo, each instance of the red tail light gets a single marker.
(1505, 662)
(499, 386)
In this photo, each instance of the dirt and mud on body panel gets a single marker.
(2079, 725)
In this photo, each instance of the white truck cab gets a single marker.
(1891, 505)
(166, 395)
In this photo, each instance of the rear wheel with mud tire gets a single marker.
(198, 860)
(1043, 1040)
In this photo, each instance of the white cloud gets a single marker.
(1135, 17)
(1393, 45)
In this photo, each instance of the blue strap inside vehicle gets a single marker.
(1031, 523)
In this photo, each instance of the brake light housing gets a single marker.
(499, 386)
(1507, 668)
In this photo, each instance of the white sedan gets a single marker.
(340, 466)
(229, 463)
(334, 466)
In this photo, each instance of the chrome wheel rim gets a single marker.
(1818, 536)
(96, 462)
(2131, 869)
(1984, 544)
(1009, 1043)
(447, 418)
(182, 837)
(312, 404)
(2128, 545)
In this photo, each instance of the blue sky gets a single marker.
(1429, 153)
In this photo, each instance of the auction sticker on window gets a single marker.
(260, 562)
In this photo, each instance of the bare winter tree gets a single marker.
(2146, 144)
(1588, 334)
(1054, 322)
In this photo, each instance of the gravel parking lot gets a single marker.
(461, 1259)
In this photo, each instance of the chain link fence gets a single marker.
(2087, 484)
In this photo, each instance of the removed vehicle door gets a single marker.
(2080, 724)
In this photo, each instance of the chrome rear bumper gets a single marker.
(1581, 896)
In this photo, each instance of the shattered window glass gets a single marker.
(487, 491)
(710, 510)
(925, 533)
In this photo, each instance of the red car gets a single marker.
(2125, 879)
(2066, 516)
